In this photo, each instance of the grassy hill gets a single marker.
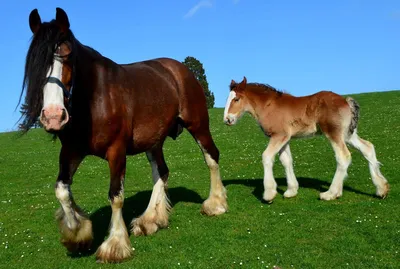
(356, 231)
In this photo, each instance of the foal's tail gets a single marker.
(355, 113)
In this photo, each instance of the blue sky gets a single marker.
(347, 46)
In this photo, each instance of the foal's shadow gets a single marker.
(304, 182)
(134, 206)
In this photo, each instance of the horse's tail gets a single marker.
(355, 114)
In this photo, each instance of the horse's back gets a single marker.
(192, 100)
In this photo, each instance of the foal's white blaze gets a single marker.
(228, 117)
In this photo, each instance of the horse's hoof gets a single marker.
(214, 206)
(114, 250)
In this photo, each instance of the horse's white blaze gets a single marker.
(231, 96)
(52, 93)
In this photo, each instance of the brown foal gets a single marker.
(283, 116)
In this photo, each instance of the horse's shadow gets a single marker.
(304, 182)
(134, 206)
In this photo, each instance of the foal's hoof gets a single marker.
(383, 192)
(289, 193)
(328, 195)
(269, 196)
(214, 206)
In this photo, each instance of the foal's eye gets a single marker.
(236, 99)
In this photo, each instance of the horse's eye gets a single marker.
(236, 99)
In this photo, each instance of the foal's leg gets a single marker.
(343, 159)
(118, 246)
(156, 214)
(216, 202)
(367, 149)
(268, 157)
(75, 226)
(287, 162)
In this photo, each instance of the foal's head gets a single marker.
(237, 102)
(48, 72)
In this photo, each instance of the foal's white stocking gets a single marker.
(343, 159)
(368, 151)
(268, 158)
(287, 162)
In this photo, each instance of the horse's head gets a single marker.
(237, 102)
(49, 72)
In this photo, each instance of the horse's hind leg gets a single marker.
(286, 159)
(367, 149)
(343, 159)
(75, 226)
(156, 214)
(216, 202)
(118, 246)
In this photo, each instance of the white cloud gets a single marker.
(199, 5)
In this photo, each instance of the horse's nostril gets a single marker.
(63, 115)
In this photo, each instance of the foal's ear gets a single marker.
(244, 82)
(233, 83)
(62, 19)
(34, 21)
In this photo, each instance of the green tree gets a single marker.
(197, 69)
(22, 126)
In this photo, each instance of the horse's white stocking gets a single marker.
(268, 157)
(117, 247)
(368, 151)
(287, 162)
(75, 227)
(156, 213)
(343, 159)
(216, 202)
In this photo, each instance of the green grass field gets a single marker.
(356, 231)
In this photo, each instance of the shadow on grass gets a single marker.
(304, 182)
(134, 206)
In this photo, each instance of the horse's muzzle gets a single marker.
(54, 118)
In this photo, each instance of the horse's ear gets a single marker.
(34, 21)
(62, 19)
(232, 83)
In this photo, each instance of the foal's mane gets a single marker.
(264, 87)
(39, 59)
(259, 87)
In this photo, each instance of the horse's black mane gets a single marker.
(39, 59)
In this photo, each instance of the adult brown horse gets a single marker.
(283, 116)
(97, 107)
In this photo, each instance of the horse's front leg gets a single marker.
(75, 227)
(118, 246)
